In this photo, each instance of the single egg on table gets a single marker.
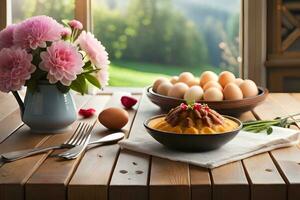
(226, 77)
(113, 118)
(210, 84)
(194, 93)
(249, 88)
(238, 81)
(193, 82)
(208, 76)
(213, 94)
(157, 82)
(178, 90)
(164, 88)
(232, 92)
(185, 77)
(174, 79)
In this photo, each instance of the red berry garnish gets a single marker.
(183, 106)
(206, 108)
(197, 106)
(86, 113)
(128, 101)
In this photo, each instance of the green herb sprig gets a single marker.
(266, 125)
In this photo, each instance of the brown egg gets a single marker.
(232, 92)
(210, 84)
(194, 93)
(193, 82)
(174, 79)
(238, 81)
(185, 77)
(249, 88)
(164, 88)
(157, 82)
(213, 94)
(226, 77)
(208, 76)
(113, 118)
(178, 90)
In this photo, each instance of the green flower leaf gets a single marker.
(269, 130)
(93, 80)
(66, 22)
(79, 84)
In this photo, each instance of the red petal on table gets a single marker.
(86, 113)
(128, 101)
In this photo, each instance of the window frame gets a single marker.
(253, 33)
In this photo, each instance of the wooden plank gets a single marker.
(8, 104)
(100, 161)
(169, 180)
(266, 181)
(132, 90)
(130, 176)
(14, 175)
(9, 124)
(200, 183)
(287, 159)
(229, 181)
(127, 185)
(50, 180)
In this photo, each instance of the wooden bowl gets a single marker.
(227, 107)
(192, 142)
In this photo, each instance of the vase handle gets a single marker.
(20, 102)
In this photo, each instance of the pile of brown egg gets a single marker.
(209, 87)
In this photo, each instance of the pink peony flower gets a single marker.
(62, 61)
(15, 68)
(6, 37)
(96, 53)
(66, 32)
(103, 76)
(35, 31)
(75, 24)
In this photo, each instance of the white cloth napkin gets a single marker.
(244, 145)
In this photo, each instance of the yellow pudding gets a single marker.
(193, 119)
(161, 124)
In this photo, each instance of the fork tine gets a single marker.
(87, 132)
(76, 132)
(81, 136)
(85, 137)
(78, 136)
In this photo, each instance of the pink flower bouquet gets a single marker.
(41, 49)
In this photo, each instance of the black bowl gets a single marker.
(192, 142)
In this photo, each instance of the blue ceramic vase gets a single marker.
(47, 110)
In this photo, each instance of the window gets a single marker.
(146, 38)
(150, 38)
(58, 9)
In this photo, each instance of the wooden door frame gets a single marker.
(254, 40)
(5, 13)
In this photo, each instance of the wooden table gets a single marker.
(109, 172)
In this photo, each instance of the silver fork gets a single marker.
(76, 151)
(76, 139)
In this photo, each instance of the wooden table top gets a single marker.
(108, 172)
